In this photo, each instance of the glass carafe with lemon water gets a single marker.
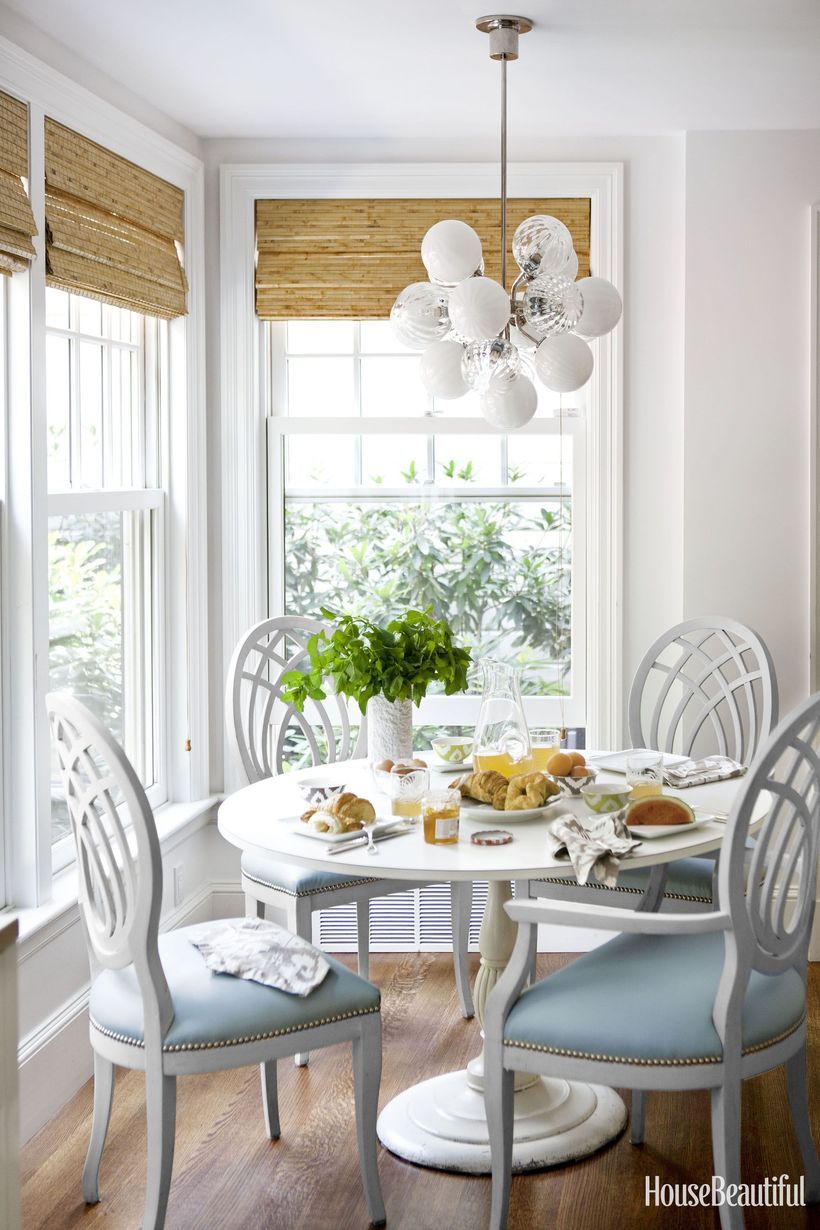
(502, 739)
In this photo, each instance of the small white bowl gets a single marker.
(605, 797)
(317, 790)
(453, 749)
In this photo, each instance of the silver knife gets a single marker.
(355, 842)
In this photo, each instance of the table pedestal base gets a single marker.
(440, 1123)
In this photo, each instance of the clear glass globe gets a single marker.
(509, 406)
(420, 316)
(542, 244)
(552, 304)
(440, 369)
(564, 362)
(492, 363)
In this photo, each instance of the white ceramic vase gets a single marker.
(389, 729)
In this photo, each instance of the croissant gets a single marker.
(500, 797)
(529, 790)
(344, 813)
(322, 822)
(482, 786)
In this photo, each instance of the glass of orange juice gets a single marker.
(644, 773)
(545, 742)
(407, 785)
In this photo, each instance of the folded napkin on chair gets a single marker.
(261, 951)
(699, 772)
(596, 846)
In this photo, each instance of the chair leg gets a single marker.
(270, 1098)
(253, 907)
(363, 937)
(300, 922)
(522, 893)
(799, 1106)
(103, 1097)
(160, 1106)
(498, 1101)
(461, 904)
(638, 1117)
(726, 1146)
(367, 1071)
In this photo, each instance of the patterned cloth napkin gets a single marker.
(699, 772)
(595, 846)
(255, 949)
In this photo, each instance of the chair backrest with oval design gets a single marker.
(772, 901)
(118, 855)
(706, 686)
(261, 726)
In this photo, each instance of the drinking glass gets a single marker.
(644, 773)
(545, 741)
(406, 788)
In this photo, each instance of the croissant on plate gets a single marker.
(529, 790)
(482, 786)
(347, 809)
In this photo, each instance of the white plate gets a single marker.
(666, 830)
(331, 839)
(486, 812)
(616, 761)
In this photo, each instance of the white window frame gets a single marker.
(185, 693)
(243, 445)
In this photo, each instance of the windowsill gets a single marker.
(175, 822)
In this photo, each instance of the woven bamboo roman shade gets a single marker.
(17, 225)
(113, 231)
(348, 259)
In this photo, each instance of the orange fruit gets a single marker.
(577, 759)
(559, 765)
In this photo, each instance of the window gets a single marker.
(106, 397)
(382, 499)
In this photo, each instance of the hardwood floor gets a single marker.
(228, 1176)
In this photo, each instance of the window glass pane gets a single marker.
(492, 567)
(321, 461)
(391, 387)
(468, 460)
(320, 337)
(319, 387)
(394, 461)
(466, 407)
(58, 408)
(101, 630)
(90, 414)
(56, 308)
(377, 337)
(536, 461)
(87, 315)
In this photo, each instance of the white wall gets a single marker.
(746, 510)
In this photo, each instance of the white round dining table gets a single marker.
(440, 1122)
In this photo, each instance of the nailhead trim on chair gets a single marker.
(564, 882)
(313, 892)
(210, 1046)
(649, 1063)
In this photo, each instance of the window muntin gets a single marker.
(106, 398)
(377, 508)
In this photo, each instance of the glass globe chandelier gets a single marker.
(473, 329)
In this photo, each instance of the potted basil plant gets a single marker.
(386, 670)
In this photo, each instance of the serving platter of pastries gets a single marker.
(523, 797)
(338, 818)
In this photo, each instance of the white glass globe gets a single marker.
(521, 341)
(479, 308)
(451, 252)
(542, 244)
(602, 307)
(564, 362)
(440, 370)
(510, 406)
(552, 304)
(419, 315)
(486, 364)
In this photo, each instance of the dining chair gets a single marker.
(681, 1001)
(260, 728)
(706, 686)
(154, 1005)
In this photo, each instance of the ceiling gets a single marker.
(409, 69)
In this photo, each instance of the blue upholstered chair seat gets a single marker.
(218, 1009)
(688, 879)
(297, 881)
(648, 998)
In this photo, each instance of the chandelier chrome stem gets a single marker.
(504, 174)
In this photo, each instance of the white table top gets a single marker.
(264, 818)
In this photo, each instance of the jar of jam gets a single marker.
(440, 811)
